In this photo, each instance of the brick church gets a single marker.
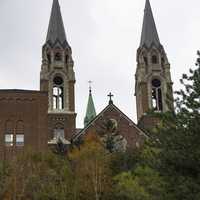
(39, 118)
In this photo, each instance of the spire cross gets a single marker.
(110, 95)
(90, 86)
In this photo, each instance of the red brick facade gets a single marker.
(126, 127)
(27, 109)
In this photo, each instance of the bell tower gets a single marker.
(153, 87)
(57, 77)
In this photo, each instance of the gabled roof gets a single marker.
(82, 132)
(56, 30)
(149, 31)
(90, 112)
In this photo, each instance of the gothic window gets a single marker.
(9, 134)
(154, 59)
(58, 56)
(20, 133)
(59, 131)
(157, 95)
(58, 93)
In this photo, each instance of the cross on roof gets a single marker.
(110, 95)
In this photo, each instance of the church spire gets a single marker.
(91, 112)
(56, 30)
(149, 31)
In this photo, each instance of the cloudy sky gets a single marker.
(104, 36)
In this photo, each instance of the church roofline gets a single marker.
(82, 132)
(22, 91)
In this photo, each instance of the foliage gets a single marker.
(177, 141)
(143, 183)
(91, 168)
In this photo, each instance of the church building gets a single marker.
(40, 118)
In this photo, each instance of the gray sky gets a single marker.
(104, 36)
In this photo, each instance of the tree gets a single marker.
(143, 183)
(4, 178)
(168, 166)
(178, 141)
(91, 168)
(36, 176)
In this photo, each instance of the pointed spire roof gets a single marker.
(149, 31)
(91, 112)
(56, 30)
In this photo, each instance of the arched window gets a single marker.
(157, 95)
(9, 133)
(58, 56)
(58, 93)
(59, 131)
(154, 59)
(20, 133)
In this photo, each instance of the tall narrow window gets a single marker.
(157, 95)
(9, 134)
(58, 93)
(20, 133)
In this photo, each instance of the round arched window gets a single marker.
(156, 83)
(58, 80)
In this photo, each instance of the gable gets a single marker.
(126, 127)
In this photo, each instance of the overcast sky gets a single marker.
(104, 36)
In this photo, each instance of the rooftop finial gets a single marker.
(90, 86)
(110, 95)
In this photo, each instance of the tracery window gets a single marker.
(157, 95)
(58, 93)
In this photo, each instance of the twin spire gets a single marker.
(149, 31)
(56, 30)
